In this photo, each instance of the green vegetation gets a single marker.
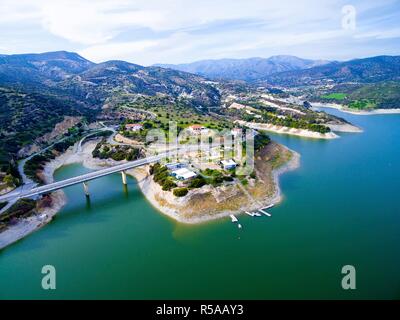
(362, 104)
(215, 177)
(261, 140)
(25, 117)
(180, 192)
(36, 164)
(181, 112)
(197, 182)
(307, 119)
(168, 185)
(161, 176)
(292, 122)
(10, 177)
(335, 96)
(382, 95)
(22, 209)
(2, 205)
(103, 150)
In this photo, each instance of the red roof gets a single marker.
(196, 126)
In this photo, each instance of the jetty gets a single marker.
(265, 212)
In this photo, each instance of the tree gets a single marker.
(180, 192)
(9, 180)
(197, 182)
(168, 185)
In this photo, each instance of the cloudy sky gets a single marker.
(178, 31)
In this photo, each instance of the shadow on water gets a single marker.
(85, 211)
(340, 207)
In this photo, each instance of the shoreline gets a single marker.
(146, 184)
(29, 225)
(346, 127)
(289, 131)
(345, 109)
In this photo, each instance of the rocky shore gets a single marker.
(176, 208)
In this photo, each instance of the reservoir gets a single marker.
(341, 207)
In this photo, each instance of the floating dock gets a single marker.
(234, 219)
(249, 213)
(265, 212)
(268, 207)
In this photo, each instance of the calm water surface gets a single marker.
(342, 206)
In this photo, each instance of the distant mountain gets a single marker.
(70, 74)
(50, 66)
(245, 69)
(368, 70)
(38, 90)
(113, 78)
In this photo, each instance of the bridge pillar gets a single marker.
(86, 189)
(123, 173)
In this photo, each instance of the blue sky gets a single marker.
(179, 31)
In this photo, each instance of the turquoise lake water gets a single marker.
(341, 207)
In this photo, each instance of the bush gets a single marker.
(180, 192)
(197, 182)
(22, 208)
(168, 185)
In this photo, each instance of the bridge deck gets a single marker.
(101, 173)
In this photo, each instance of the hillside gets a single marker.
(113, 79)
(41, 68)
(38, 90)
(245, 69)
(27, 116)
(382, 95)
(368, 70)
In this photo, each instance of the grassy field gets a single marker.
(362, 104)
(336, 96)
(180, 113)
(383, 95)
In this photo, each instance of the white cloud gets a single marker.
(119, 50)
(149, 31)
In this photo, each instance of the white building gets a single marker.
(183, 174)
(197, 129)
(236, 132)
(228, 164)
(134, 127)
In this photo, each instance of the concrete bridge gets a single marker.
(36, 191)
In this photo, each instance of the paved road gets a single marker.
(27, 193)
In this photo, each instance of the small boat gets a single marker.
(239, 226)
(256, 214)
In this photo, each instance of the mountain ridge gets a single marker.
(56, 71)
(248, 69)
(364, 70)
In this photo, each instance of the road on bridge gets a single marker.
(27, 193)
